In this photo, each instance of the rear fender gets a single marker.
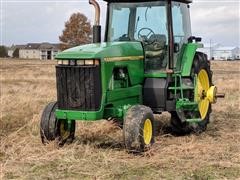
(188, 57)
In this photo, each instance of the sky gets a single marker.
(25, 21)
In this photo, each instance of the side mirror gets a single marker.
(176, 47)
(193, 38)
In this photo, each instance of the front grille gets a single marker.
(79, 87)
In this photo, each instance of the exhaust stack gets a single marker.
(96, 26)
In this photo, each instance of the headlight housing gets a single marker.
(63, 62)
(87, 62)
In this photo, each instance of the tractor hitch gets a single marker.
(220, 95)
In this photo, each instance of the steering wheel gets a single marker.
(145, 38)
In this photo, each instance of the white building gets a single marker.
(215, 51)
(44, 51)
(238, 54)
(226, 53)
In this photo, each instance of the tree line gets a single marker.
(3, 51)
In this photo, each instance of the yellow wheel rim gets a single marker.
(63, 133)
(203, 86)
(147, 132)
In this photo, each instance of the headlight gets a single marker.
(92, 62)
(89, 62)
(65, 62)
(59, 62)
(80, 63)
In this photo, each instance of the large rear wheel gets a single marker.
(201, 69)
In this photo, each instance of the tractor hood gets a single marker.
(103, 50)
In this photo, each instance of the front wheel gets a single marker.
(65, 131)
(138, 128)
(52, 128)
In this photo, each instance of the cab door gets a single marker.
(181, 30)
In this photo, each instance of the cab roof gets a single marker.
(129, 1)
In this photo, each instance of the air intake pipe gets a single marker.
(96, 26)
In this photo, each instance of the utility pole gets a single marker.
(210, 49)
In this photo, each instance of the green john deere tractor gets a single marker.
(148, 63)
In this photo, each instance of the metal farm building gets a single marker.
(226, 53)
(218, 52)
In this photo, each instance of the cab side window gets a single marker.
(181, 27)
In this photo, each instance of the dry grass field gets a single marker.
(98, 152)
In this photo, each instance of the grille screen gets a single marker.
(78, 87)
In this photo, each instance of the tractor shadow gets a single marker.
(106, 135)
(100, 143)
(162, 125)
(111, 137)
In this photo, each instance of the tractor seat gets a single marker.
(157, 48)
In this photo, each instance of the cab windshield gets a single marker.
(145, 22)
(128, 21)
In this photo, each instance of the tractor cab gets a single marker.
(151, 23)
